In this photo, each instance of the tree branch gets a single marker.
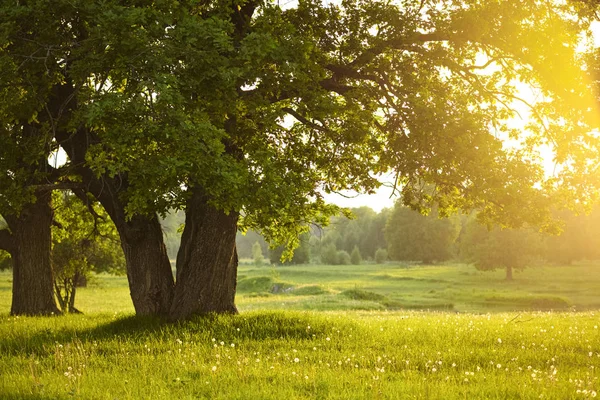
(304, 120)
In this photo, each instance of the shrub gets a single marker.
(343, 258)
(381, 256)
(329, 254)
(355, 257)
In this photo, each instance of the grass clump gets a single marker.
(359, 294)
(262, 285)
(308, 290)
(531, 302)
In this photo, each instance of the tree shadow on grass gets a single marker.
(275, 325)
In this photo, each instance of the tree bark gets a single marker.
(509, 273)
(148, 268)
(33, 283)
(207, 261)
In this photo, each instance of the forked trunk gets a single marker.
(33, 284)
(206, 262)
(148, 268)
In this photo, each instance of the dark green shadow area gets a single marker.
(134, 330)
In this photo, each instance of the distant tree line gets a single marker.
(402, 234)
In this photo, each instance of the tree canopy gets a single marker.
(282, 104)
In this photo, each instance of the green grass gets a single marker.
(395, 286)
(371, 344)
(301, 355)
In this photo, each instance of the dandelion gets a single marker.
(214, 368)
(498, 366)
(296, 360)
(232, 345)
(328, 339)
(499, 341)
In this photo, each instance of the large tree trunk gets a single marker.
(148, 268)
(33, 284)
(206, 261)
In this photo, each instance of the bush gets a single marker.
(343, 258)
(358, 294)
(329, 255)
(355, 257)
(381, 256)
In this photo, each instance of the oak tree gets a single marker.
(243, 113)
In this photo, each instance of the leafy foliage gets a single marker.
(183, 93)
(301, 254)
(257, 256)
(82, 243)
(381, 256)
(355, 257)
(412, 236)
(500, 248)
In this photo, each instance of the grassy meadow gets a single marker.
(323, 332)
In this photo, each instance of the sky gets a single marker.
(383, 198)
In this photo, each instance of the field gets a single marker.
(481, 338)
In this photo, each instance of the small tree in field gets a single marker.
(257, 255)
(355, 257)
(510, 249)
(84, 240)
